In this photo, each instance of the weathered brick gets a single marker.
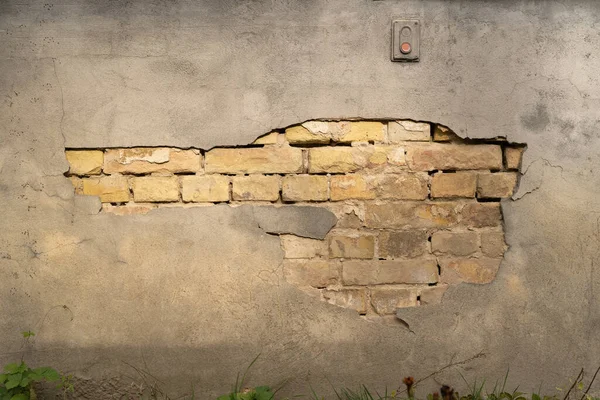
(402, 243)
(403, 186)
(111, 189)
(154, 189)
(205, 188)
(269, 138)
(145, 160)
(513, 156)
(492, 244)
(263, 160)
(345, 187)
(299, 247)
(85, 162)
(455, 243)
(444, 156)
(322, 132)
(301, 135)
(412, 215)
(459, 184)
(337, 159)
(354, 299)
(373, 272)
(315, 273)
(364, 131)
(430, 295)
(496, 185)
(256, 187)
(444, 134)
(387, 300)
(481, 215)
(305, 188)
(356, 246)
(470, 270)
(399, 131)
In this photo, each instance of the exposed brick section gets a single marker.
(311, 273)
(389, 272)
(455, 243)
(497, 185)
(155, 189)
(469, 270)
(388, 300)
(492, 244)
(400, 131)
(459, 184)
(305, 188)
(513, 156)
(418, 208)
(355, 246)
(205, 188)
(266, 160)
(256, 187)
(355, 299)
(145, 160)
(111, 189)
(404, 244)
(442, 156)
(85, 162)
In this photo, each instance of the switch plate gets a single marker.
(406, 32)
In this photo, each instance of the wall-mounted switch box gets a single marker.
(406, 38)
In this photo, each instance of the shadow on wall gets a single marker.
(417, 207)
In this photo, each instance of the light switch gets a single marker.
(406, 35)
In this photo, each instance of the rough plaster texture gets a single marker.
(194, 294)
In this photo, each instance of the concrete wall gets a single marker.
(192, 295)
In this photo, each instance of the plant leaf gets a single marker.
(20, 396)
(13, 381)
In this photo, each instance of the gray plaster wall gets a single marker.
(193, 295)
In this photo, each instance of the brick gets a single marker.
(399, 131)
(375, 272)
(146, 160)
(305, 188)
(363, 131)
(412, 215)
(492, 244)
(77, 184)
(345, 187)
(469, 270)
(513, 157)
(299, 247)
(85, 162)
(265, 160)
(111, 189)
(455, 243)
(431, 295)
(444, 134)
(402, 243)
(481, 215)
(205, 188)
(337, 159)
(459, 184)
(388, 300)
(255, 187)
(269, 138)
(355, 299)
(315, 273)
(301, 135)
(446, 156)
(356, 246)
(404, 186)
(496, 185)
(154, 189)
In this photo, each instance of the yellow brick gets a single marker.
(355, 299)
(316, 273)
(205, 188)
(85, 162)
(266, 160)
(256, 187)
(513, 157)
(459, 184)
(111, 189)
(446, 156)
(345, 187)
(145, 160)
(305, 188)
(337, 159)
(444, 134)
(470, 270)
(388, 300)
(364, 131)
(154, 189)
(496, 185)
(355, 246)
(399, 131)
(300, 135)
(269, 138)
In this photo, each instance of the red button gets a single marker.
(405, 48)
